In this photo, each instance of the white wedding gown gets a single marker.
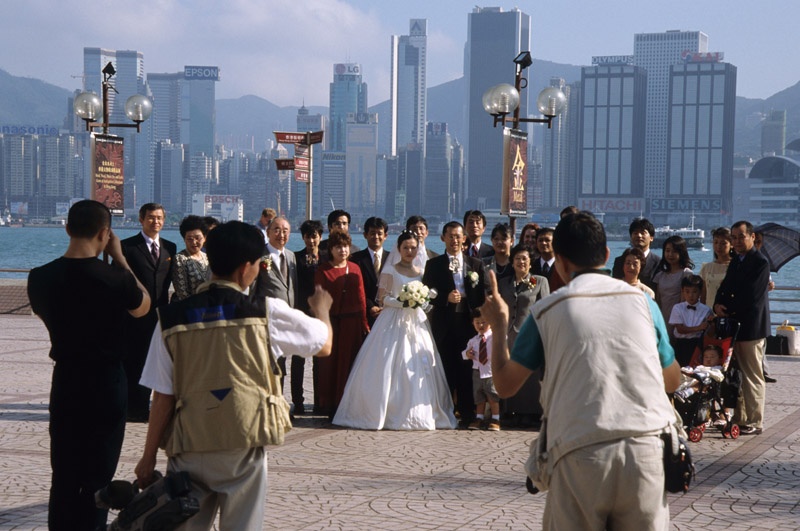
(397, 381)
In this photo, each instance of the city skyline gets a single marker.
(258, 44)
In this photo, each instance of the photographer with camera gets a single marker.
(82, 302)
(217, 398)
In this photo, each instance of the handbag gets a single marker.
(538, 464)
(678, 465)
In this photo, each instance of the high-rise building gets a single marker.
(361, 152)
(702, 105)
(198, 113)
(166, 118)
(169, 178)
(558, 173)
(612, 142)
(348, 95)
(656, 53)
(438, 181)
(408, 85)
(494, 38)
(773, 133)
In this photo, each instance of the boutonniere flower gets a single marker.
(266, 263)
(528, 283)
(472, 276)
(455, 265)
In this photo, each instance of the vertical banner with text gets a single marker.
(514, 200)
(108, 172)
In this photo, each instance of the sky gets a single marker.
(284, 50)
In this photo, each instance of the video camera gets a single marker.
(160, 507)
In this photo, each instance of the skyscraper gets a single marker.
(361, 152)
(656, 53)
(773, 133)
(558, 174)
(702, 105)
(348, 95)
(494, 38)
(437, 185)
(409, 86)
(612, 141)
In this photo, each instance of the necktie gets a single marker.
(691, 307)
(284, 267)
(473, 250)
(377, 262)
(545, 269)
(154, 251)
(483, 355)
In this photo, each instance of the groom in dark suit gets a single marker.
(458, 278)
(151, 259)
(375, 230)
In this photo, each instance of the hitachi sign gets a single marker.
(206, 73)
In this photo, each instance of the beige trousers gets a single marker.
(750, 407)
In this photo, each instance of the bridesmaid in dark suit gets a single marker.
(520, 291)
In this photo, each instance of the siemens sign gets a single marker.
(685, 205)
(206, 73)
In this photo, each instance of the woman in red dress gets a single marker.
(348, 313)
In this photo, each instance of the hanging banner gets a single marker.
(514, 199)
(108, 172)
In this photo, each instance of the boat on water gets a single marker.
(694, 237)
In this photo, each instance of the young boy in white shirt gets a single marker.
(690, 319)
(479, 350)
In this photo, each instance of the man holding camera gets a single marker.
(215, 403)
(82, 301)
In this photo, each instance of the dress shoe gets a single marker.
(299, 410)
(769, 379)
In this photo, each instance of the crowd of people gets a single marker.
(401, 339)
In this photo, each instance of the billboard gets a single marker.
(612, 204)
(108, 172)
(201, 73)
(514, 196)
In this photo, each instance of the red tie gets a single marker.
(483, 355)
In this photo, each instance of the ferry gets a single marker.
(694, 237)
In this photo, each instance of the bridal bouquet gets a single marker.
(416, 294)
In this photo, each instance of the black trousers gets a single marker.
(298, 367)
(87, 426)
(451, 334)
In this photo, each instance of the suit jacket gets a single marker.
(519, 299)
(743, 292)
(554, 280)
(155, 277)
(270, 282)
(484, 250)
(305, 280)
(645, 275)
(430, 253)
(438, 275)
(364, 261)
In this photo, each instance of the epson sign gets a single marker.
(206, 73)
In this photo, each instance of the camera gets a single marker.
(160, 507)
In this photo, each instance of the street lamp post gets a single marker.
(503, 99)
(108, 167)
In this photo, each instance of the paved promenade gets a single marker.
(329, 478)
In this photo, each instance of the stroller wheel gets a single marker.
(734, 431)
(695, 434)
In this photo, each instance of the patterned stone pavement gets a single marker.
(330, 478)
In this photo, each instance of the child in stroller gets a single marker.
(709, 392)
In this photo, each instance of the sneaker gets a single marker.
(475, 424)
(750, 430)
(720, 423)
(493, 425)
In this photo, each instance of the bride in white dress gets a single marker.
(397, 381)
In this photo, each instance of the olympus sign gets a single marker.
(206, 73)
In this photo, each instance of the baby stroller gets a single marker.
(714, 393)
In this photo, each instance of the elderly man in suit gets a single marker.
(371, 261)
(459, 279)
(151, 260)
(743, 296)
(278, 279)
(642, 233)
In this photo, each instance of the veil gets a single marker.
(388, 271)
